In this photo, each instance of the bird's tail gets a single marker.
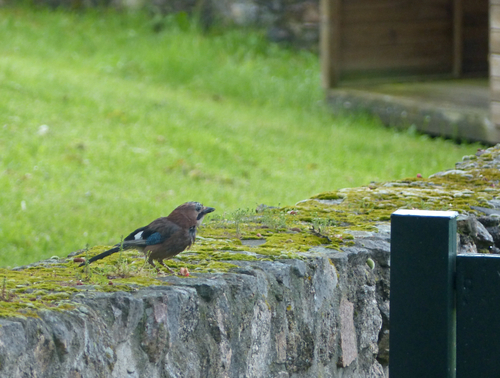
(101, 256)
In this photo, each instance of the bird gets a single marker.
(164, 237)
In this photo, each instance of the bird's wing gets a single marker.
(135, 235)
(154, 233)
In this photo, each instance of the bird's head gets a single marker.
(190, 212)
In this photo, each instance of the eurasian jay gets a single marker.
(164, 237)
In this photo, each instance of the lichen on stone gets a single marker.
(269, 234)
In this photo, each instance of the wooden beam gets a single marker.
(495, 88)
(495, 16)
(457, 38)
(494, 62)
(495, 113)
(494, 41)
(494, 65)
(330, 42)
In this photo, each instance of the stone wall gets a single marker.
(321, 316)
(305, 298)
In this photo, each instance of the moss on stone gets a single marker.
(286, 233)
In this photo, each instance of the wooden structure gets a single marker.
(374, 41)
(495, 61)
(402, 38)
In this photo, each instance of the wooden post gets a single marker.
(330, 42)
(494, 62)
(422, 334)
(458, 39)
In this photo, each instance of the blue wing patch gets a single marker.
(155, 238)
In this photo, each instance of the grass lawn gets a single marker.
(106, 124)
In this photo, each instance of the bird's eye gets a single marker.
(198, 206)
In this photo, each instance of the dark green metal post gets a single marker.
(422, 335)
(478, 316)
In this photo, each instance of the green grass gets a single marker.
(139, 122)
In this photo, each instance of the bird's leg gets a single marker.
(150, 260)
(163, 264)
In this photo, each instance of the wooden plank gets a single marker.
(495, 16)
(415, 66)
(495, 113)
(439, 52)
(478, 305)
(475, 6)
(379, 63)
(445, 34)
(330, 42)
(395, 33)
(374, 4)
(356, 4)
(477, 19)
(475, 36)
(478, 68)
(495, 41)
(474, 53)
(476, 49)
(479, 32)
(495, 64)
(383, 57)
(398, 12)
(402, 35)
(495, 88)
(457, 38)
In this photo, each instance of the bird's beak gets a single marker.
(207, 210)
(202, 213)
